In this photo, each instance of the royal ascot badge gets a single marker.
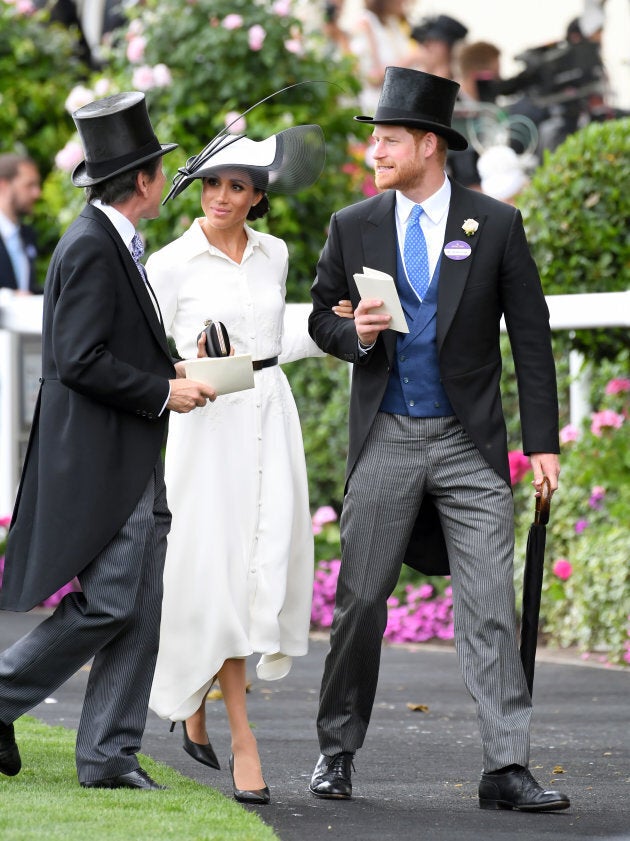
(457, 249)
(470, 227)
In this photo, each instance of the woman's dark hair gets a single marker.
(257, 211)
(121, 187)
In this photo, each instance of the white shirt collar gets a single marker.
(197, 242)
(123, 226)
(434, 207)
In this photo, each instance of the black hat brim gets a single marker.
(454, 139)
(80, 178)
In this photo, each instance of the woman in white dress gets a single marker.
(239, 567)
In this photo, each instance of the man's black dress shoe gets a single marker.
(134, 779)
(254, 797)
(10, 762)
(517, 789)
(202, 753)
(332, 777)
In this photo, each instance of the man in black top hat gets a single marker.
(91, 501)
(427, 475)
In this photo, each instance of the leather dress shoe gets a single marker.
(134, 779)
(515, 788)
(202, 753)
(10, 762)
(254, 797)
(332, 777)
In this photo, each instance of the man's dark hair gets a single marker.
(121, 187)
(10, 163)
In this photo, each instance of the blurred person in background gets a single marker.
(20, 187)
(435, 39)
(381, 37)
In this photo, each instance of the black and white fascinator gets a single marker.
(285, 162)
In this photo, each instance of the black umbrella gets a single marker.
(532, 582)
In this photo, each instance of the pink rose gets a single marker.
(293, 45)
(256, 37)
(135, 49)
(605, 418)
(235, 123)
(324, 514)
(519, 465)
(143, 78)
(615, 386)
(562, 569)
(232, 21)
(281, 8)
(67, 158)
(569, 433)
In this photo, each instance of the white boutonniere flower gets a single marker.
(470, 227)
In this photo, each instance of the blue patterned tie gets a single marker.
(415, 254)
(137, 250)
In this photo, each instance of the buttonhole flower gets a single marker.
(470, 227)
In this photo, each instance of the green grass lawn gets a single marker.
(45, 802)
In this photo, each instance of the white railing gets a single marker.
(20, 332)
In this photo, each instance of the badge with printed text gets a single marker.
(457, 249)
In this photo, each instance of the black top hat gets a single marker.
(116, 135)
(418, 100)
(440, 28)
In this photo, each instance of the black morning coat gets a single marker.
(498, 278)
(97, 433)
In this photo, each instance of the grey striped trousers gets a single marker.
(116, 620)
(402, 459)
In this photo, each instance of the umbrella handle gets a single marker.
(543, 503)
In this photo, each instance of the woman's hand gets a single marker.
(344, 309)
(201, 345)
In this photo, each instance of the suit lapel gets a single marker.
(454, 273)
(143, 295)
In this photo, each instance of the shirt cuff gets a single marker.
(364, 349)
(168, 397)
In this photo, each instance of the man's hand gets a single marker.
(186, 395)
(369, 324)
(545, 464)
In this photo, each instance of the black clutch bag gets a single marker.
(217, 338)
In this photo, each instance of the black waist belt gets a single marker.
(259, 364)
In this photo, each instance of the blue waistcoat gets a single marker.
(414, 387)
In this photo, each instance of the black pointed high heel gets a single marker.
(257, 797)
(202, 753)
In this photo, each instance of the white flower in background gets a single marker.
(238, 127)
(294, 45)
(256, 37)
(281, 8)
(102, 87)
(162, 76)
(470, 227)
(67, 158)
(78, 97)
(135, 28)
(143, 78)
